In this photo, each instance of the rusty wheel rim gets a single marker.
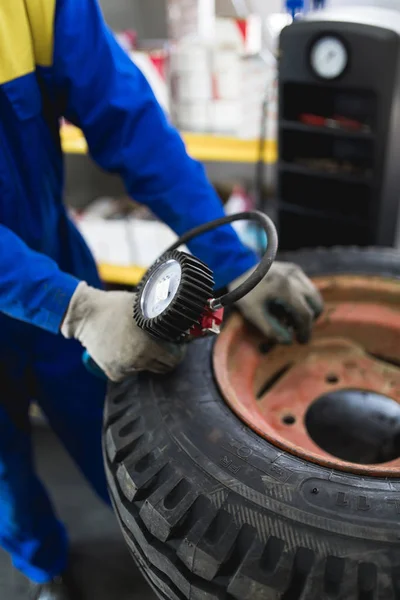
(355, 347)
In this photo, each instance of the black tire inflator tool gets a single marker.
(175, 300)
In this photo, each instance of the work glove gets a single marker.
(103, 322)
(284, 305)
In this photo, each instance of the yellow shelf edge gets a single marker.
(203, 147)
(215, 148)
(123, 275)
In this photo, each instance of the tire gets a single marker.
(210, 511)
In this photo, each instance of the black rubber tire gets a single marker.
(211, 511)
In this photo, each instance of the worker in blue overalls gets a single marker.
(58, 58)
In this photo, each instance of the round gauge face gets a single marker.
(161, 289)
(329, 57)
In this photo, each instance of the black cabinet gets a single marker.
(339, 131)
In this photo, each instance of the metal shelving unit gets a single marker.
(338, 175)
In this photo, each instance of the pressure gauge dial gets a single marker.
(173, 297)
(329, 57)
(160, 288)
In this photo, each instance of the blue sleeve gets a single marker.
(32, 287)
(106, 95)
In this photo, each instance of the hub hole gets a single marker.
(332, 378)
(289, 420)
(356, 426)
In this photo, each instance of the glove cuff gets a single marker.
(79, 307)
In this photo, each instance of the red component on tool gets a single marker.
(211, 322)
(336, 121)
(310, 119)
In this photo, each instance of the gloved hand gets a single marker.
(103, 323)
(285, 302)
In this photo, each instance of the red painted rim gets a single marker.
(272, 391)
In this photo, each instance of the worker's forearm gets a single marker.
(32, 288)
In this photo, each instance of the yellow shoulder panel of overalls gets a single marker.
(26, 36)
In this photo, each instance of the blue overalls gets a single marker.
(58, 58)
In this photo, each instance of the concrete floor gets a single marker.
(101, 563)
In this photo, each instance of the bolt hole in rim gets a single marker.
(289, 420)
(336, 400)
(332, 378)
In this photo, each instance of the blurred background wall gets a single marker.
(148, 17)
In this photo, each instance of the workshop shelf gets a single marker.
(338, 219)
(334, 176)
(203, 147)
(305, 99)
(287, 125)
(327, 153)
(322, 229)
(312, 194)
(328, 158)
